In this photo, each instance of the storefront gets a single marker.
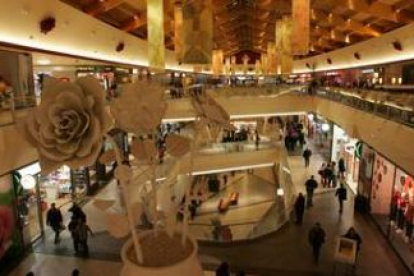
(11, 246)
(390, 193)
(35, 193)
(381, 194)
(346, 150)
(321, 131)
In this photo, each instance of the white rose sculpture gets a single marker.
(140, 108)
(68, 127)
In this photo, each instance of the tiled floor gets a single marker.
(285, 252)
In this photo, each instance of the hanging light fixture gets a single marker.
(156, 44)
(300, 35)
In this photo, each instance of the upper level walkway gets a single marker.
(389, 137)
(378, 123)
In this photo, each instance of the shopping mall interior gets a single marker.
(181, 137)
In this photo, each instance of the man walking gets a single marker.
(307, 153)
(299, 208)
(316, 239)
(72, 227)
(311, 185)
(54, 220)
(341, 193)
(82, 232)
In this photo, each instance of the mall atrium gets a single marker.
(206, 137)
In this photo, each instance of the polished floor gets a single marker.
(284, 253)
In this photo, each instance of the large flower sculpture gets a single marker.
(208, 108)
(140, 108)
(6, 228)
(69, 125)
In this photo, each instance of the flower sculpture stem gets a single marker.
(124, 184)
(191, 176)
(154, 185)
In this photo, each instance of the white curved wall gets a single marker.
(76, 33)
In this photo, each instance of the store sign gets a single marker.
(32, 169)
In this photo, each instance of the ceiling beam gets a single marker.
(322, 18)
(376, 9)
(100, 6)
(134, 23)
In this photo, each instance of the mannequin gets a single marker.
(409, 212)
(394, 205)
(401, 205)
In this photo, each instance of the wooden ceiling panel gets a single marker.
(248, 25)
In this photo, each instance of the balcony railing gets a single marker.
(389, 105)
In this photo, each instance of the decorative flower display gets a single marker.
(69, 125)
(144, 150)
(178, 145)
(208, 108)
(140, 108)
(6, 228)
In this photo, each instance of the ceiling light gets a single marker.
(43, 62)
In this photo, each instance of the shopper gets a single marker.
(321, 173)
(257, 140)
(77, 212)
(299, 208)
(311, 185)
(54, 220)
(307, 153)
(341, 194)
(353, 235)
(73, 224)
(316, 238)
(241, 273)
(30, 273)
(75, 272)
(223, 269)
(341, 168)
(328, 175)
(225, 179)
(333, 179)
(82, 232)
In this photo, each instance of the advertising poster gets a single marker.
(10, 242)
(382, 185)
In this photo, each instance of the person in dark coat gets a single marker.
(328, 175)
(316, 238)
(223, 269)
(307, 153)
(311, 185)
(77, 212)
(72, 227)
(341, 194)
(299, 208)
(54, 220)
(341, 168)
